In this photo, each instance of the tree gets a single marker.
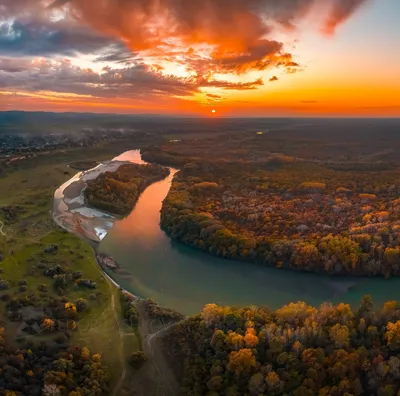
(242, 360)
(393, 335)
(274, 383)
(81, 304)
(137, 359)
(234, 340)
(215, 383)
(51, 390)
(250, 339)
(339, 335)
(257, 384)
(48, 325)
(85, 353)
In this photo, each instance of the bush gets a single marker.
(4, 285)
(41, 265)
(81, 304)
(60, 280)
(77, 275)
(137, 359)
(86, 283)
(43, 288)
(131, 315)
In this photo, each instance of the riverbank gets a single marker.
(70, 210)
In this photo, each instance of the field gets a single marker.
(26, 201)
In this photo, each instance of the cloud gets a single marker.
(12, 65)
(142, 42)
(213, 96)
(137, 81)
(341, 10)
(232, 35)
(273, 78)
(242, 86)
(31, 38)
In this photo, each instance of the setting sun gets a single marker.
(213, 111)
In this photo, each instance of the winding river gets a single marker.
(153, 266)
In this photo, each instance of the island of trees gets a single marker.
(117, 192)
(289, 214)
(296, 350)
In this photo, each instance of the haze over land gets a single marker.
(240, 58)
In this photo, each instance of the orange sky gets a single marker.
(188, 63)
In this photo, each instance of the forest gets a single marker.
(296, 350)
(50, 370)
(117, 192)
(289, 214)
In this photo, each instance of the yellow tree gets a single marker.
(274, 383)
(234, 340)
(339, 335)
(85, 353)
(242, 360)
(393, 335)
(250, 338)
(211, 314)
(48, 325)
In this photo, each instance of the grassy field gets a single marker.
(27, 190)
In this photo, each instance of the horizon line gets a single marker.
(203, 116)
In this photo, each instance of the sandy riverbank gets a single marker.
(70, 210)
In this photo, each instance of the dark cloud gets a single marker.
(273, 78)
(136, 81)
(117, 54)
(11, 65)
(34, 39)
(242, 86)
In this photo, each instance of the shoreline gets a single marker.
(70, 209)
(72, 213)
(100, 261)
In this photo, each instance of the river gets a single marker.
(153, 266)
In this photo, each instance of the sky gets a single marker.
(208, 58)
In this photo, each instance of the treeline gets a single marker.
(296, 350)
(117, 192)
(50, 369)
(303, 217)
(165, 157)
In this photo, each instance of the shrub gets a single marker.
(43, 288)
(137, 359)
(81, 304)
(4, 285)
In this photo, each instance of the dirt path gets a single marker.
(121, 343)
(166, 379)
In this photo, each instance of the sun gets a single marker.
(213, 111)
